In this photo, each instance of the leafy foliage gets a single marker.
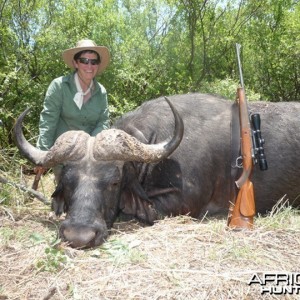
(53, 261)
(158, 47)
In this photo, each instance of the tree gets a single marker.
(158, 47)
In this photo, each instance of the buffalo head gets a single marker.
(92, 178)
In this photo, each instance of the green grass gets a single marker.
(282, 216)
(121, 252)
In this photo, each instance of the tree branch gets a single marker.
(22, 187)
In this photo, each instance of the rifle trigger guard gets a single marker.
(239, 162)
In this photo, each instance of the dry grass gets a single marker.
(177, 258)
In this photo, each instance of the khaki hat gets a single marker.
(68, 55)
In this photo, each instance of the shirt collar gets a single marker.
(69, 79)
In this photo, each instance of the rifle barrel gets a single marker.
(238, 50)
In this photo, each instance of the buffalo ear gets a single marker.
(131, 204)
(57, 205)
(58, 201)
(134, 200)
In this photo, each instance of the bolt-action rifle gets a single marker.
(241, 212)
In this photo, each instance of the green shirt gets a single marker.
(61, 114)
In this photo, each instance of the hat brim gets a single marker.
(103, 52)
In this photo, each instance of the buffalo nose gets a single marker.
(79, 237)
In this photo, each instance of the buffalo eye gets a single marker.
(115, 178)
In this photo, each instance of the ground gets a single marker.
(176, 258)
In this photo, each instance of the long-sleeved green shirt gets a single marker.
(61, 114)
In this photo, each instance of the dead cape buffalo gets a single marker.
(113, 173)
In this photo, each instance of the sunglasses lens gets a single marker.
(85, 61)
(94, 62)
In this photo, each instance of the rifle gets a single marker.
(241, 212)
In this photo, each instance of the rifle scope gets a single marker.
(258, 143)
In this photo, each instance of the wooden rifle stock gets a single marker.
(38, 173)
(241, 212)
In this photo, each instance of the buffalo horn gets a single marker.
(111, 144)
(66, 147)
(115, 144)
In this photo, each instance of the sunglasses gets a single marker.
(86, 61)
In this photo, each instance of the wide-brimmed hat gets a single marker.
(68, 55)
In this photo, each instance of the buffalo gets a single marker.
(156, 162)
